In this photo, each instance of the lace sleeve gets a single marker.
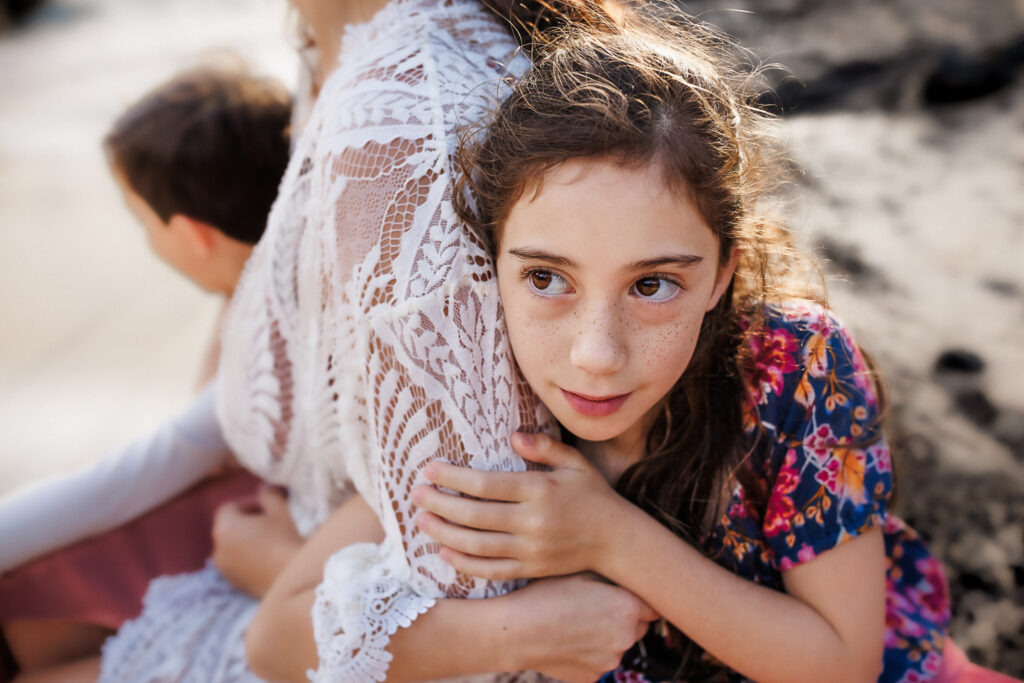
(413, 358)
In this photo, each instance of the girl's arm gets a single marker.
(115, 490)
(828, 625)
(572, 628)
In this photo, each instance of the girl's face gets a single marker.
(605, 276)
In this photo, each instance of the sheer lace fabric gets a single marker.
(366, 336)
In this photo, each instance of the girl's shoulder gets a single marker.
(799, 354)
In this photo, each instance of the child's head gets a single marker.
(621, 186)
(622, 146)
(200, 159)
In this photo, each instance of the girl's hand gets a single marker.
(254, 539)
(532, 524)
(576, 628)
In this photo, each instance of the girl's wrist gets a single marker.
(625, 525)
(509, 636)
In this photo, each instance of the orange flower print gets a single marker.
(843, 474)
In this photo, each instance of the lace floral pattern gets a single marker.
(366, 337)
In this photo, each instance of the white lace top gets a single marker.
(366, 336)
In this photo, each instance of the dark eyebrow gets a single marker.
(538, 255)
(682, 260)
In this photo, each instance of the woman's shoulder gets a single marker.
(445, 32)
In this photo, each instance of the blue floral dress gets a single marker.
(812, 411)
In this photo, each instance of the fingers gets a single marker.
(504, 569)
(541, 448)
(647, 614)
(465, 511)
(483, 544)
(502, 486)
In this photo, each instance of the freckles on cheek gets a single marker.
(670, 348)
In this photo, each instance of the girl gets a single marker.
(662, 318)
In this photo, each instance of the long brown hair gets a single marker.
(674, 93)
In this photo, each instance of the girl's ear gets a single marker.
(199, 236)
(724, 277)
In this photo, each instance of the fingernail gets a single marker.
(430, 471)
(526, 438)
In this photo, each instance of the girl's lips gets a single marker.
(595, 407)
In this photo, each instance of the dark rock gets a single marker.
(972, 581)
(962, 77)
(846, 259)
(16, 10)
(959, 360)
(976, 407)
(1002, 287)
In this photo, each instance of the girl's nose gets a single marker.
(599, 347)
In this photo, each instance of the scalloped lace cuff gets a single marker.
(359, 605)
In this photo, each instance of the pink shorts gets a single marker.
(101, 580)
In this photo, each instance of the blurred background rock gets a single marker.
(906, 122)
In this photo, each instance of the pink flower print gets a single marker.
(892, 525)
(863, 378)
(843, 474)
(881, 457)
(774, 352)
(788, 478)
(629, 677)
(829, 476)
(934, 590)
(819, 444)
(780, 505)
(777, 517)
(932, 663)
(815, 319)
(806, 553)
(799, 310)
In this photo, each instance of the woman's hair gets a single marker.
(530, 21)
(670, 92)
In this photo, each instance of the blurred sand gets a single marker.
(99, 341)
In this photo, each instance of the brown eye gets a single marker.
(648, 286)
(546, 283)
(540, 280)
(655, 288)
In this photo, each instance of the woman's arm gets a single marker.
(572, 628)
(115, 490)
(827, 626)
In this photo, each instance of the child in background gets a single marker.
(199, 160)
(730, 467)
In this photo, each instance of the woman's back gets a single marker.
(365, 336)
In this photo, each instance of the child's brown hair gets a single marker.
(674, 94)
(211, 144)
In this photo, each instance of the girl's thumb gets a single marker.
(542, 449)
